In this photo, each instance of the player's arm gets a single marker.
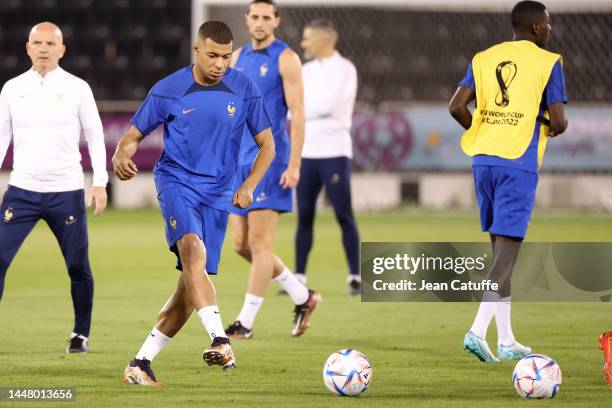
(123, 166)
(556, 97)
(6, 124)
(94, 135)
(558, 122)
(235, 56)
(244, 195)
(458, 106)
(152, 112)
(290, 69)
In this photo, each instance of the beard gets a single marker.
(261, 36)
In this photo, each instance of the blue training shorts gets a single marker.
(269, 194)
(184, 213)
(506, 196)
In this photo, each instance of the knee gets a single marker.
(504, 290)
(306, 216)
(346, 218)
(191, 249)
(79, 268)
(241, 247)
(259, 243)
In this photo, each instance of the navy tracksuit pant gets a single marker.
(335, 174)
(65, 214)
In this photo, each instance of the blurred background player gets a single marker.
(45, 110)
(204, 109)
(330, 90)
(520, 89)
(277, 71)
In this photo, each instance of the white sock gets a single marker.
(505, 336)
(485, 314)
(154, 343)
(298, 292)
(249, 311)
(355, 278)
(211, 319)
(73, 335)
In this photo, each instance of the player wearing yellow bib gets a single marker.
(519, 89)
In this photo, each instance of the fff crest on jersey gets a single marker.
(172, 223)
(8, 214)
(263, 70)
(231, 109)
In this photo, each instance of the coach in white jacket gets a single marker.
(44, 111)
(330, 89)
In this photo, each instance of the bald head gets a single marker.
(48, 28)
(45, 47)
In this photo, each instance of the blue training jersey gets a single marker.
(203, 127)
(554, 92)
(261, 66)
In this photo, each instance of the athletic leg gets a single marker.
(253, 236)
(240, 236)
(308, 190)
(66, 216)
(195, 233)
(336, 174)
(19, 212)
(475, 339)
(514, 201)
(170, 320)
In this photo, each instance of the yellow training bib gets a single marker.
(510, 78)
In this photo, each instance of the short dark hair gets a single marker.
(527, 13)
(322, 23)
(217, 31)
(270, 2)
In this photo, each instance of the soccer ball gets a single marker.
(347, 372)
(537, 376)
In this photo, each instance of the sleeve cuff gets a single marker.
(100, 181)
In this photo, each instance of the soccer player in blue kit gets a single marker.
(519, 89)
(204, 109)
(277, 71)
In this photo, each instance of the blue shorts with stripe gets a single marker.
(268, 194)
(185, 213)
(506, 197)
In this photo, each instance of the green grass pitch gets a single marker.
(415, 348)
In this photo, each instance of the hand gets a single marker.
(290, 177)
(243, 197)
(97, 196)
(124, 167)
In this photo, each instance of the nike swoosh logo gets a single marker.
(70, 222)
(186, 111)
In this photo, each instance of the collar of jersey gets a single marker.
(49, 75)
(250, 50)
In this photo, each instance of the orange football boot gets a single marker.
(605, 344)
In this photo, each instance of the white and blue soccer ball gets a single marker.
(347, 372)
(537, 376)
